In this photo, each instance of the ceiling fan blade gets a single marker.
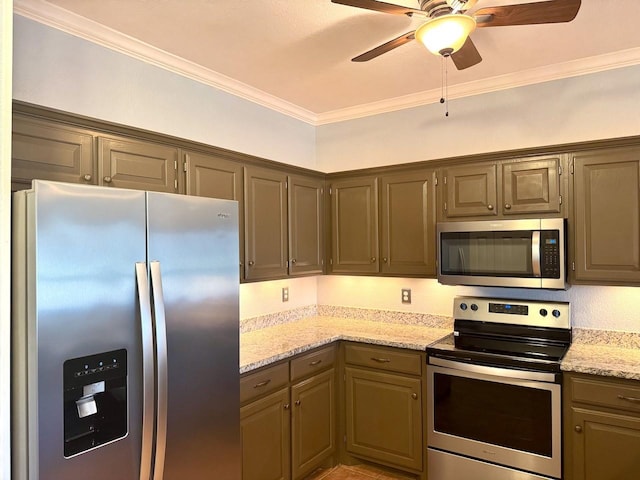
(385, 47)
(379, 6)
(467, 56)
(552, 11)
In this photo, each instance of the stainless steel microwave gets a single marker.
(504, 253)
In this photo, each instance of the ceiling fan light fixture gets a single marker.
(446, 34)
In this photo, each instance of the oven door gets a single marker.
(503, 416)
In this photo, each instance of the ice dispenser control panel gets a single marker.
(95, 401)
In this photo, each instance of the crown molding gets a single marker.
(74, 24)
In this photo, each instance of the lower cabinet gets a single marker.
(602, 428)
(383, 408)
(289, 433)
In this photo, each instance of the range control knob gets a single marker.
(556, 313)
(543, 312)
(474, 307)
(463, 306)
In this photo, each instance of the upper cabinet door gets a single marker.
(606, 212)
(354, 226)
(265, 203)
(470, 191)
(128, 163)
(408, 223)
(210, 176)
(531, 186)
(306, 220)
(49, 151)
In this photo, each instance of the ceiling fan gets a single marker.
(448, 25)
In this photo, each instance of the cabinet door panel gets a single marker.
(384, 417)
(531, 187)
(47, 151)
(209, 176)
(470, 191)
(354, 222)
(264, 427)
(265, 223)
(306, 197)
(126, 163)
(607, 216)
(408, 224)
(606, 447)
(313, 422)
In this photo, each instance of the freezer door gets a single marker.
(77, 312)
(195, 244)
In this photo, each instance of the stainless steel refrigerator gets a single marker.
(125, 335)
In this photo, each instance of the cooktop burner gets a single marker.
(529, 335)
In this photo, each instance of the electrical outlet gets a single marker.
(285, 294)
(406, 295)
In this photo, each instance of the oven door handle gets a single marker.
(495, 371)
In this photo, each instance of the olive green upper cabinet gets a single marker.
(50, 151)
(129, 163)
(306, 220)
(531, 186)
(354, 226)
(469, 191)
(408, 223)
(215, 177)
(518, 187)
(265, 203)
(606, 216)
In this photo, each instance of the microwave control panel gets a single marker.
(550, 253)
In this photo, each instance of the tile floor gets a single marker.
(355, 472)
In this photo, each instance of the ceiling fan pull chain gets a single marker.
(444, 89)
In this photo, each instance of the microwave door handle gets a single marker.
(535, 253)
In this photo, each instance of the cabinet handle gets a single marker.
(297, 403)
(286, 406)
(251, 263)
(578, 428)
(373, 259)
(262, 384)
(380, 360)
(384, 259)
(414, 396)
(107, 179)
(629, 399)
(490, 207)
(87, 178)
(314, 363)
(507, 206)
(293, 260)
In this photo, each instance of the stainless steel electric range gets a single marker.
(494, 404)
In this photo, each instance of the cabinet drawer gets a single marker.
(312, 362)
(612, 394)
(255, 384)
(384, 359)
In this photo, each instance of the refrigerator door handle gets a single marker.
(148, 388)
(162, 374)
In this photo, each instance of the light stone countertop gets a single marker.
(599, 352)
(262, 347)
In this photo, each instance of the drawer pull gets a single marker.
(380, 360)
(262, 384)
(315, 362)
(629, 399)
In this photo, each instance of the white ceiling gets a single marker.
(294, 55)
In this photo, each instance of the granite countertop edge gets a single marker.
(593, 352)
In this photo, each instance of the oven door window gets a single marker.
(494, 254)
(506, 415)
